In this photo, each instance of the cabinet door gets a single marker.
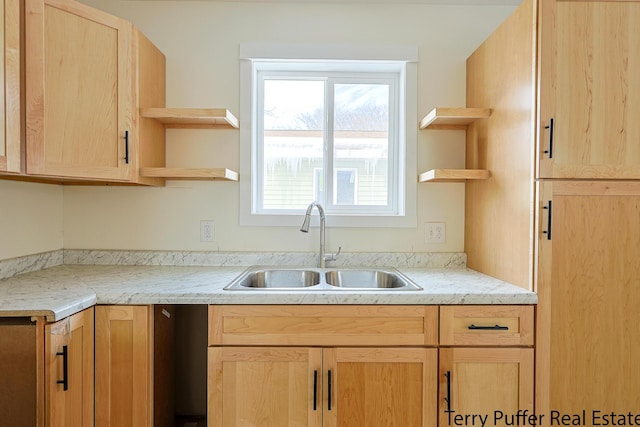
(589, 292)
(590, 60)
(123, 366)
(369, 387)
(78, 91)
(10, 86)
(265, 386)
(485, 382)
(69, 371)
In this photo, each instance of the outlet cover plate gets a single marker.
(435, 232)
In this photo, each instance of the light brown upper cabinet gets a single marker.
(10, 154)
(87, 74)
(589, 89)
(79, 91)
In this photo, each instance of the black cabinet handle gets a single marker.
(315, 389)
(448, 398)
(549, 214)
(65, 368)
(329, 391)
(126, 146)
(549, 152)
(489, 328)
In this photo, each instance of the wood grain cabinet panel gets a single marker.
(262, 386)
(21, 372)
(481, 381)
(588, 278)
(123, 348)
(380, 387)
(88, 74)
(323, 325)
(495, 325)
(10, 148)
(589, 63)
(79, 91)
(350, 372)
(304, 386)
(69, 371)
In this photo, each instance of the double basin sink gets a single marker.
(304, 278)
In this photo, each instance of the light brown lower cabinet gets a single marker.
(46, 371)
(123, 366)
(69, 371)
(485, 364)
(355, 366)
(306, 386)
(134, 366)
(490, 384)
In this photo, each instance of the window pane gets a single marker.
(293, 143)
(361, 140)
(345, 187)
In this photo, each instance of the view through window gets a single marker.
(330, 137)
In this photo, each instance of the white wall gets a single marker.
(30, 218)
(200, 41)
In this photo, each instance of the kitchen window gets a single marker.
(333, 131)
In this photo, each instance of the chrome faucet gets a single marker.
(322, 258)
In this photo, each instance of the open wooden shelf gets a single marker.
(453, 118)
(196, 174)
(452, 175)
(194, 118)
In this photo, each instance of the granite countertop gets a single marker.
(63, 290)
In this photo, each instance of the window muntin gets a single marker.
(311, 124)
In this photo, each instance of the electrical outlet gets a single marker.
(435, 232)
(207, 231)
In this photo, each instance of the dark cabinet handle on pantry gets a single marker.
(549, 151)
(65, 368)
(549, 214)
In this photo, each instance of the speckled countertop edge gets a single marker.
(63, 290)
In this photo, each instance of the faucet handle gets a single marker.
(333, 257)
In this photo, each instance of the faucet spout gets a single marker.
(305, 229)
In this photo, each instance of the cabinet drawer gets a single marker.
(486, 325)
(323, 325)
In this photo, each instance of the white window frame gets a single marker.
(331, 56)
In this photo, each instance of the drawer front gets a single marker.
(323, 325)
(499, 325)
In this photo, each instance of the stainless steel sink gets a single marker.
(369, 279)
(263, 278)
(327, 279)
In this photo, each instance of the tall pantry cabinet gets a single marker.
(561, 211)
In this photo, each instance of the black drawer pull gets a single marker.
(448, 398)
(489, 328)
(315, 390)
(329, 390)
(65, 368)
